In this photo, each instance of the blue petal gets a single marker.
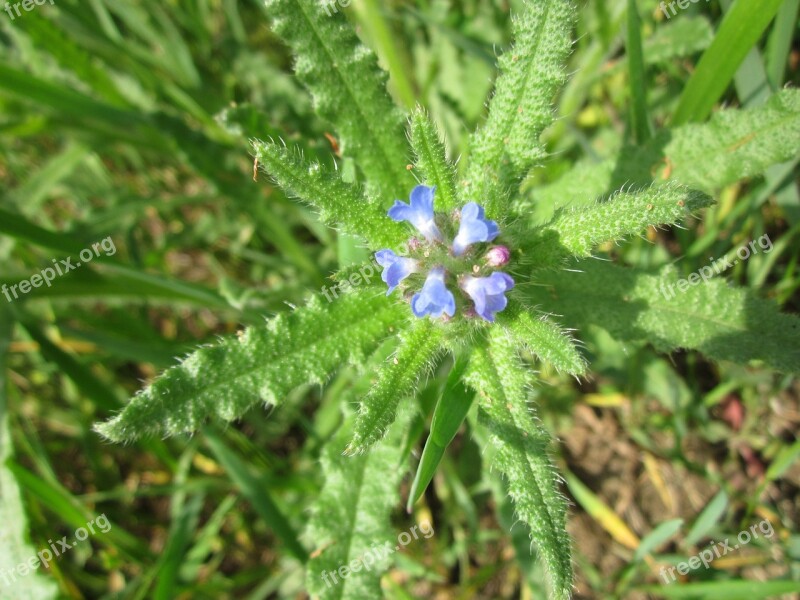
(422, 199)
(434, 299)
(488, 293)
(419, 212)
(385, 258)
(474, 228)
(395, 268)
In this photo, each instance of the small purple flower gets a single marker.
(474, 228)
(419, 212)
(435, 298)
(488, 293)
(395, 268)
(498, 256)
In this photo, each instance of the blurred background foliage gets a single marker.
(131, 119)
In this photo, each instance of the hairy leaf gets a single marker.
(530, 74)
(431, 160)
(341, 205)
(351, 517)
(734, 144)
(419, 347)
(545, 339)
(577, 231)
(349, 89)
(520, 446)
(723, 322)
(263, 363)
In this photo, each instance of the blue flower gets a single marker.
(488, 292)
(395, 268)
(435, 298)
(474, 228)
(419, 212)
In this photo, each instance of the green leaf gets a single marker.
(577, 231)
(734, 144)
(531, 72)
(656, 538)
(722, 322)
(449, 414)
(351, 517)
(724, 590)
(521, 445)
(779, 45)
(264, 363)
(419, 347)
(14, 548)
(349, 89)
(740, 29)
(431, 160)
(81, 111)
(783, 461)
(678, 38)
(341, 205)
(255, 491)
(708, 518)
(633, 48)
(540, 336)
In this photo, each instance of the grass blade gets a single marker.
(741, 28)
(641, 123)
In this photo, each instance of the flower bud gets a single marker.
(498, 256)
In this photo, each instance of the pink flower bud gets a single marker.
(498, 256)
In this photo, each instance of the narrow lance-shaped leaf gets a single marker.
(531, 72)
(521, 453)
(578, 231)
(723, 322)
(341, 205)
(263, 363)
(351, 517)
(431, 160)
(398, 379)
(449, 414)
(348, 88)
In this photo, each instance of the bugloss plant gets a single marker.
(472, 278)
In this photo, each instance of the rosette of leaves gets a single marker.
(548, 263)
